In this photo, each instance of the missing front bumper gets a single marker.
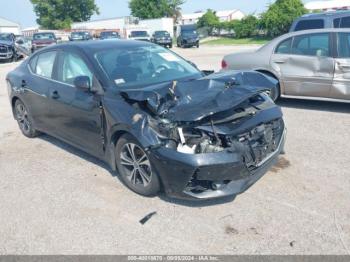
(220, 174)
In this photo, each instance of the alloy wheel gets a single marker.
(22, 118)
(136, 165)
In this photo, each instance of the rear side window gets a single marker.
(336, 22)
(344, 45)
(345, 22)
(309, 24)
(312, 45)
(284, 47)
(45, 63)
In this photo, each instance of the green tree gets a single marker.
(60, 14)
(147, 9)
(175, 9)
(247, 27)
(209, 20)
(280, 15)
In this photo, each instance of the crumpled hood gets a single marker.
(187, 101)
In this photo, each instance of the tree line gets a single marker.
(274, 22)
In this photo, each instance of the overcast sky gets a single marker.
(21, 11)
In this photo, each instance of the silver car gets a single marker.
(312, 64)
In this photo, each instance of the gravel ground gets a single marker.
(55, 199)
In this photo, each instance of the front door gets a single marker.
(341, 82)
(75, 113)
(307, 69)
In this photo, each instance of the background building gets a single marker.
(224, 16)
(7, 26)
(330, 5)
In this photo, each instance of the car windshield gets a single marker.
(5, 37)
(140, 66)
(161, 33)
(109, 35)
(192, 33)
(138, 33)
(44, 36)
(78, 34)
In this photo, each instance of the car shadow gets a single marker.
(162, 196)
(77, 152)
(336, 107)
(197, 203)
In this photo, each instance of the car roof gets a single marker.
(314, 31)
(332, 14)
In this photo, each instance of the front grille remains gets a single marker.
(3, 49)
(261, 142)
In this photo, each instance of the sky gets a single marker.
(21, 11)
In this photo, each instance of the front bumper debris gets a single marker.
(207, 176)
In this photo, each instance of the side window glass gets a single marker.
(284, 47)
(344, 45)
(336, 23)
(310, 24)
(311, 45)
(345, 22)
(32, 63)
(45, 63)
(73, 66)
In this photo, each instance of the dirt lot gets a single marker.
(55, 199)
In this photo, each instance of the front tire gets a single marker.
(24, 120)
(135, 168)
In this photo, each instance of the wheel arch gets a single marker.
(13, 103)
(273, 75)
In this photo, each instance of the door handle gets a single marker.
(279, 61)
(55, 95)
(346, 66)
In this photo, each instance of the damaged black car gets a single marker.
(152, 116)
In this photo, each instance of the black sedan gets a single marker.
(151, 115)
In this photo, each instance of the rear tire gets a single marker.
(135, 168)
(24, 120)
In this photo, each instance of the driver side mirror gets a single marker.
(82, 83)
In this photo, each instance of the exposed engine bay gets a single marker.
(225, 123)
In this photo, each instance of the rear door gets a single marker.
(341, 82)
(307, 67)
(37, 86)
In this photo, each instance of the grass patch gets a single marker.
(238, 41)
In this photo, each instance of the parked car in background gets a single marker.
(80, 36)
(44, 39)
(162, 38)
(109, 35)
(152, 116)
(140, 35)
(24, 45)
(336, 19)
(12, 47)
(7, 47)
(313, 64)
(187, 36)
